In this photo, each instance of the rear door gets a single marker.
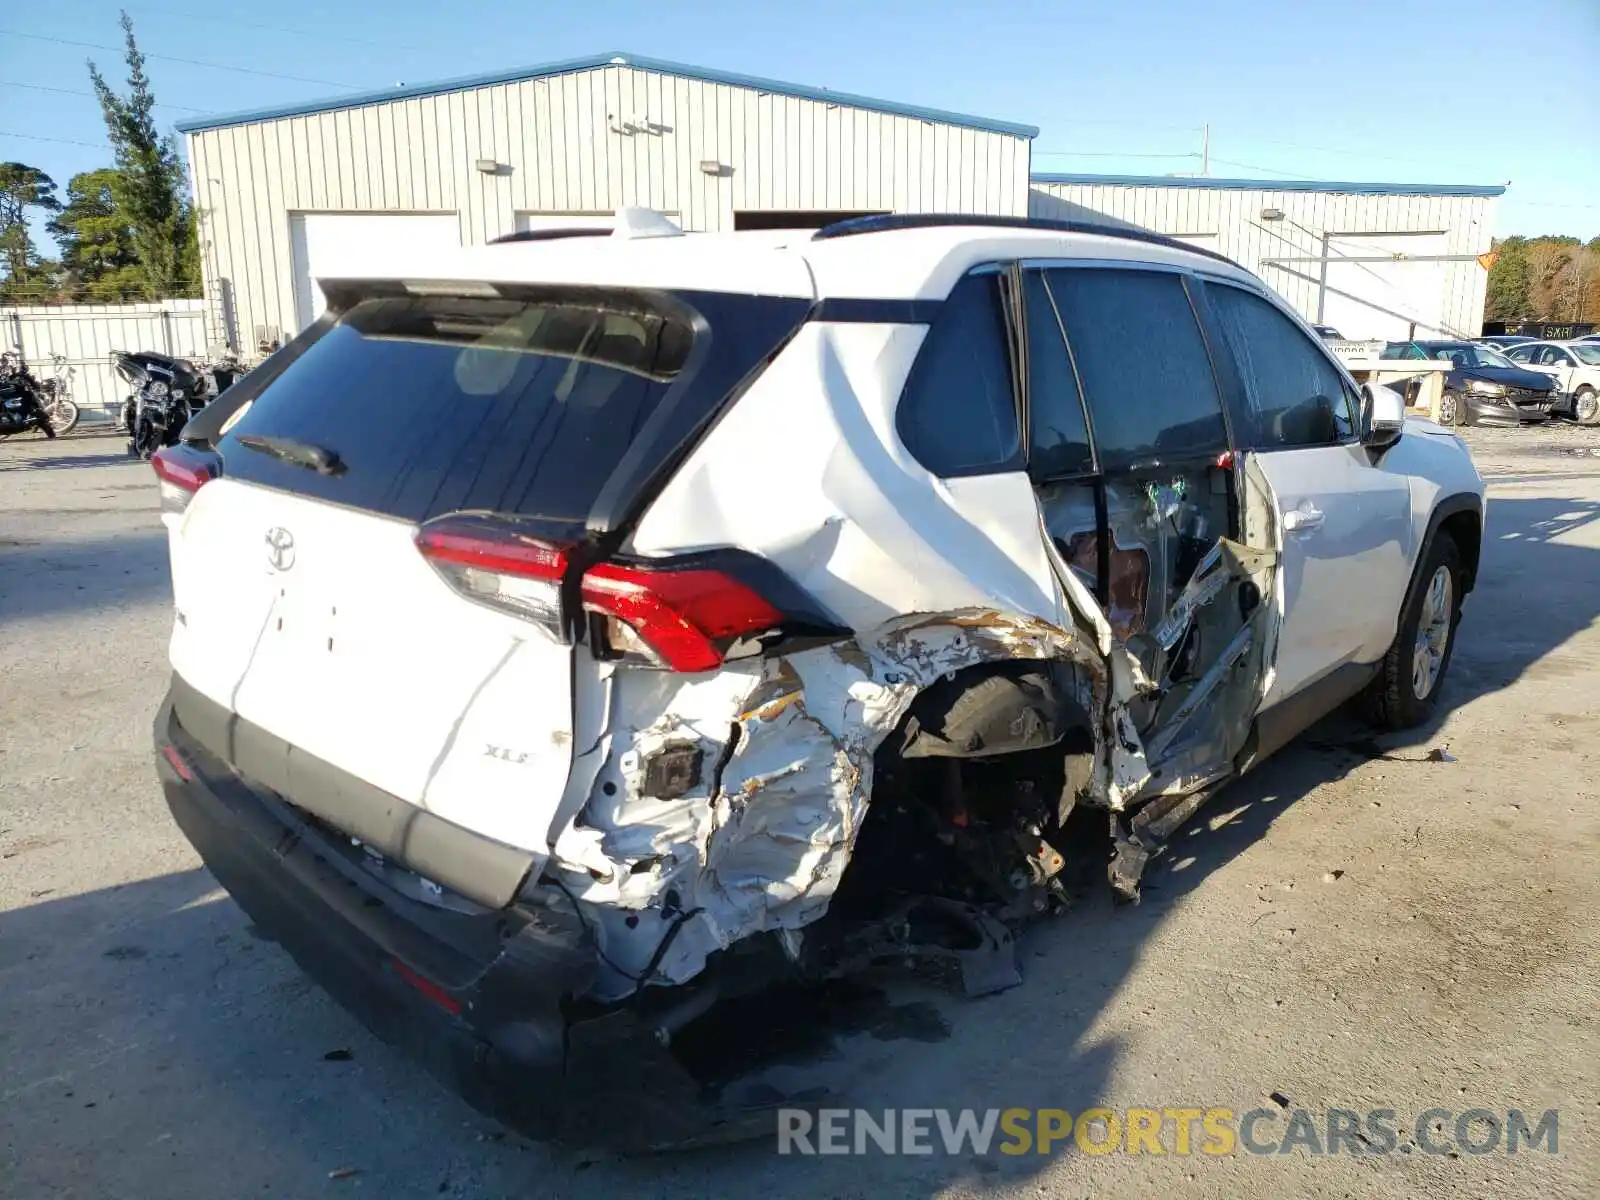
(1129, 453)
(304, 602)
(1345, 522)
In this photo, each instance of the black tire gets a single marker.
(1585, 409)
(63, 415)
(1462, 415)
(1392, 699)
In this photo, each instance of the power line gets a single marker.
(1363, 154)
(1106, 154)
(318, 36)
(1129, 124)
(33, 137)
(191, 62)
(1228, 162)
(39, 87)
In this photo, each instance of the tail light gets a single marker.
(498, 563)
(684, 619)
(183, 471)
(685, 614)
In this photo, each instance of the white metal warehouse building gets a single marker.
(324, 188)
(1374, 260)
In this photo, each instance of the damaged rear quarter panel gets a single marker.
(787, 744)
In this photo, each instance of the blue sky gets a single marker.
(1429, 91)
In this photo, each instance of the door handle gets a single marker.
(1303, 519)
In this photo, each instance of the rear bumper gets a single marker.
(482, 998)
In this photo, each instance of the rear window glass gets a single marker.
(437, 404)
(958, 415)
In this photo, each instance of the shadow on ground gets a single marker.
(113, 454)
(155, 996)
(55, 578)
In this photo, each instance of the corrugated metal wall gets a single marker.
(86, 334)
(560, 137)
(1233, 219)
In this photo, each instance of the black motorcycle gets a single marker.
(23, 403)
(166, 392)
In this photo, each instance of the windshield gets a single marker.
(1589, 354)
(1470, 356)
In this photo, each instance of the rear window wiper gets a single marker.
(302, 454)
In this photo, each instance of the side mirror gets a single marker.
(1384, 418)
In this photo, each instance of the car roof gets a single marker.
(910, 263)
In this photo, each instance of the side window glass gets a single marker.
(1518, 354)
(958, 415)
(1058, 434)
(1143, 364)
(1295, 395)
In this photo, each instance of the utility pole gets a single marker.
(1205, 149)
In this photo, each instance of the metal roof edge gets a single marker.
(1274, 185)
(592, 62)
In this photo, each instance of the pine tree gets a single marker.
(149, 188)
(98, 261)
(23, 188)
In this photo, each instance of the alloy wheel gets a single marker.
(1433, 633)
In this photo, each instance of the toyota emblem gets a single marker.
(280, 548)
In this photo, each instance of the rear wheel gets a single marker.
(1586, 406)
(1408, 684)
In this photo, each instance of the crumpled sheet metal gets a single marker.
(788, 744)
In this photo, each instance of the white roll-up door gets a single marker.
(1384, 298)
(333, 244)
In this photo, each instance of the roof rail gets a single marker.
(887, 222)
(549, 235)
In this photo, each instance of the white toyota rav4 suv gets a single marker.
(576, 633)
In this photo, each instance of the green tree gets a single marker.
(1510, 282)
(149, 187)
(24, 188)
(98, 260)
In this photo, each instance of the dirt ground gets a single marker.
(1352, 926)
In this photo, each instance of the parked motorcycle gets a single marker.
(22, 398)
(166, 392)
(57, 395)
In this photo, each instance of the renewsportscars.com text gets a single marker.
(1177, 1131)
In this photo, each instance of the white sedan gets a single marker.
(1575, 366)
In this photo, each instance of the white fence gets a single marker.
(86, 334)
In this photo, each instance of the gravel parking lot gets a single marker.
(1356, 925)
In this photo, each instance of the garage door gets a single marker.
(1384, 291)
(332, 244)
(569, 220)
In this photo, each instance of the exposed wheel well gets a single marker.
(1466, 531)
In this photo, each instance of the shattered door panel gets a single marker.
(1160, 527)
(1186, 603)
